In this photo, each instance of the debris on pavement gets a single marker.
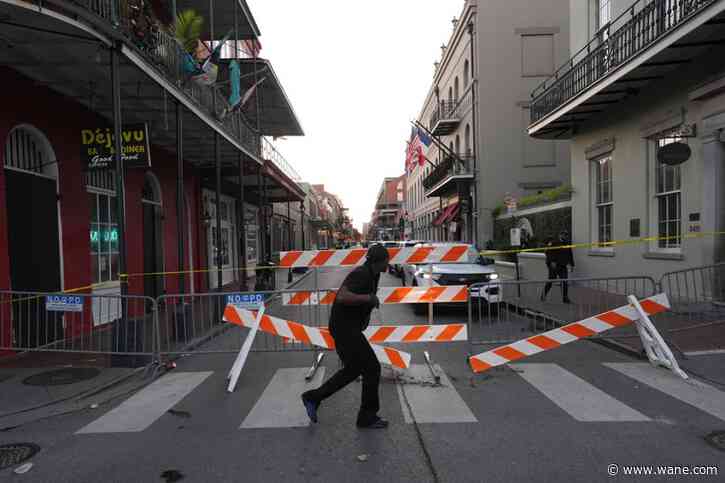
(180, 414)
(171, 475)
(362, 457)
(22, 469)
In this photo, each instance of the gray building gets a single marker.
(645, 75)
(477, 110)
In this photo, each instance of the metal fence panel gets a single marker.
(104, 324)
(522, 312)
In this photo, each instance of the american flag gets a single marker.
(251, 47)
(414, 152)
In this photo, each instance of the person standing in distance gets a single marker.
(349, 317)
(557, 260)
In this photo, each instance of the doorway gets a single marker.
(33, 234)
(152, 237)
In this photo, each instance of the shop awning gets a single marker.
(449, 213)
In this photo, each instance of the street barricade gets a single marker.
(110, 325)
(519, 310)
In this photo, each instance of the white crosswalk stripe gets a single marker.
(280, 406)
(429, 404)
(574, 395)
(696, 393)
(143, 408)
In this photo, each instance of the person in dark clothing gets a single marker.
(557, 260)
(349, 317)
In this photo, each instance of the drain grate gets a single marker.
(59, 377)
(16, 453)
(716, 440)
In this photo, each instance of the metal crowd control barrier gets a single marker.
(112, 325)
(697, 296)
(517, 309)
(193, 323)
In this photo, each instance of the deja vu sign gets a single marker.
(97, 147)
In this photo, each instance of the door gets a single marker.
(153, 284)
(34, 255)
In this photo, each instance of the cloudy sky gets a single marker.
(356, 74)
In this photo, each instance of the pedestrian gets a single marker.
(349, 317)
(557, 261)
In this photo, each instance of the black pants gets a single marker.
(358, 359)
(558, 271)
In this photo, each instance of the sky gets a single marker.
(356, 74)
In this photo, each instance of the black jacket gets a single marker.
(559, 256)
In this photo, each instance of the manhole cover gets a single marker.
(716, 439)
(16, 453)
(59, 377)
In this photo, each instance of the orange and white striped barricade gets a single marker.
(308, 335)
(569, 333)
(356, 256)
(387, 295)
(417, 333)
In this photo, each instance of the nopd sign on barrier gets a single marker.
(64, 303)
(249, 301)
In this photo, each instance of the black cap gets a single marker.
(377, 253)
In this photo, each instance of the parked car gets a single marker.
(479, 271)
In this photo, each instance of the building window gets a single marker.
(603, 202)
(456, 93)
(104, 237)
(604, 13)
(667, 199)
(465, 74)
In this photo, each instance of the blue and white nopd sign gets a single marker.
(245, 300)
(64, 303)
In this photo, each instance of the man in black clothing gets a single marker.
(557, 260)
(349, 317)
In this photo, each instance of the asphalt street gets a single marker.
(563, 415)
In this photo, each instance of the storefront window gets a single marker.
(103, 237)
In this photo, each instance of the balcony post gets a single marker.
(218, 238)
(120, 168)
(475, 216)
(180, 195)
(242, 222)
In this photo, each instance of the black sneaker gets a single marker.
(311, 408)
(379, 423)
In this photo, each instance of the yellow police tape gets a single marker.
(613, 243)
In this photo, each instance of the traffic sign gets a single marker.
(249, 301)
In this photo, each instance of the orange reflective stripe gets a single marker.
(652, 307)
(397, 295)
(544, 342)
(613, 318)
(449, 332)
(420, 255)
(478, 365)
(298, 331)
(353, 257)
(508, 352)
(321, 258)
(328, 298)
(328, 338)
(415, 333)
(299, 298)
(462, 295)
(432, 294)
(394, 357)
(392, 251)
(267, 326)
(578, 330)
(382, 334)
(289, 259)
(231, 315)
(454, 254)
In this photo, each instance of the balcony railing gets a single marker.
(447, 168)
(444, 117)
(270, 152)
(641, 25)
(165, 55)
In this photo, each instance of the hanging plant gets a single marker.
(188, 29)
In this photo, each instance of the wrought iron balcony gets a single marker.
(120, 20)
(616, 49)
(444, 178)
(445, 118)
(270, 152)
